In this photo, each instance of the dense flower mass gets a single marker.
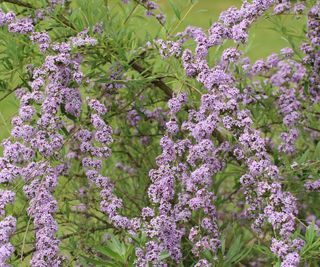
(239, 141)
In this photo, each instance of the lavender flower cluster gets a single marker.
(55, 125)
(165, 223)
(36, 139)
(94, 146)
(286, 76)
(221, 109)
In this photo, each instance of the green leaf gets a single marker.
(130, 250)
(310, 234)
(234, 248)
(117, 246)
(164, 255)
(110, 253)
(176, 11)
(99, 263)
(304, 157)
(223, 244)
(317, 151)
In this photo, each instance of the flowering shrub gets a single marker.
(174, 150)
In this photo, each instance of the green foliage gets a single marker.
(311, 251)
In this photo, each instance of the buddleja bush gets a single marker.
(133, 150)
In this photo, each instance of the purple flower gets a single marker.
(133, 117)
(97, 106)
(22, 26)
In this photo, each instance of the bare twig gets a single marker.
(130, 14)
(9, 93)
(157, 82)
(24, 239)
(18, 3)
(66, 236)
(312, 128)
